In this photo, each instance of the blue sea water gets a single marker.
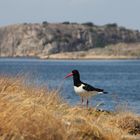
(121, 78)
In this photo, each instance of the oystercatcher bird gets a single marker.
(84, 90)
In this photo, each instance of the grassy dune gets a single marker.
(30, 113)
(118, 51)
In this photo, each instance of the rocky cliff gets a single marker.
(45, 39)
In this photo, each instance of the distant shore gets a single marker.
(67, 57)
(75, 56)
(118, 51)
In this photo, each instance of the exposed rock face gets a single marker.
(44, 39)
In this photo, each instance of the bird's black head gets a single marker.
(75, 72)
(76, 77)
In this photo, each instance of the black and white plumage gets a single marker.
(84, 90)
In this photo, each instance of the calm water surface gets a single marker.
(121, 78)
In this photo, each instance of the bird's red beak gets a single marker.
(70, 74)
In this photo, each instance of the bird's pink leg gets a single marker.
(82, 100)
(87, 103)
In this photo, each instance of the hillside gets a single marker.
(46, 39)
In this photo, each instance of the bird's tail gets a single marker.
(103, 92)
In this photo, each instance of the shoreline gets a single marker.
(69, 58)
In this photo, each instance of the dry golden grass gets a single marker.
(30, 113)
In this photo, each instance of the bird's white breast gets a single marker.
(79, 89)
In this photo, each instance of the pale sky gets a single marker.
(123, 12)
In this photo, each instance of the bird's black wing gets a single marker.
(91, 88)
